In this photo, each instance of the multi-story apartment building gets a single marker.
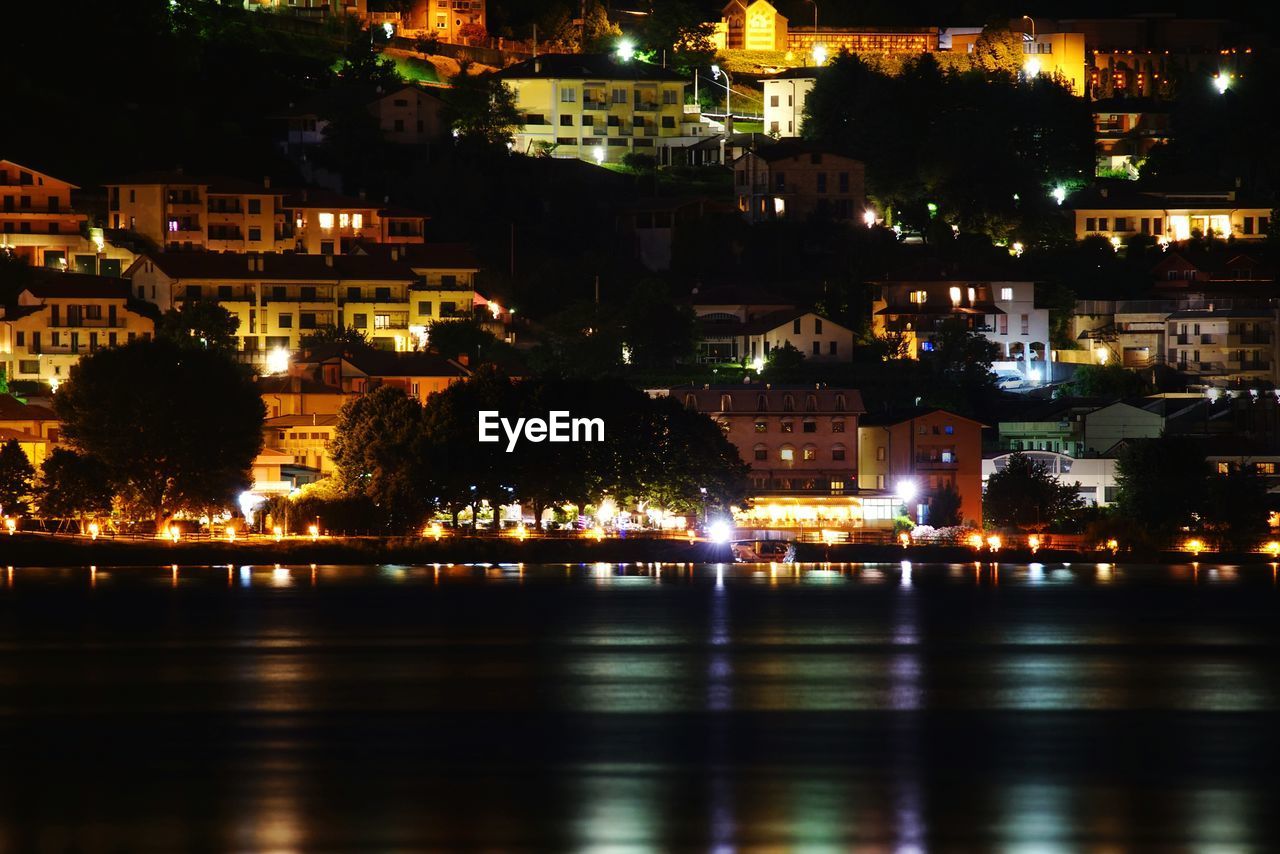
(1094, 478)
(1118, 212)
(37, 222)
(1051, 52)
(178, 211)
(916, 303)
(451, 21)
(597, 107)
(792, 180)
(1125, 130)
(785, 94)
(58, 319)
(361, 370)
(305, 438)
(33, 426)
(445, 286)
(278, 298)
(805, 41)
(918, 452)
(313, 8)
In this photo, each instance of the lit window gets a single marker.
(1224, 468)
(1006, 294)
(344, 220)
(955, 293)
(787, 454)
(919, 297)
(326, 220)
(357, 221)
(810, 452)
(1266, 468)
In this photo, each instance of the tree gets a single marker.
(998, 50)
(598, 32)
(1112, 380)
(1024, 494)
(363, 66)
(1161, 483)
(784, 359)
(379, 448)
(658, 331)
(16, 475)
(961, 365)
(944, 507)
(481, 110)
(177, 428)
(466, 338)
(201, 322)
(349, 336)
(680, 28)
(73, 486)
(1236, 509)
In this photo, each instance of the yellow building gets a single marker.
(451, 21)
(35, 428)
(1052, 54)
(1118, 212)
(445, 286)
(755, 25)
(178, 211)
(596, 107)
(360, 370)
(59, 318)
(295, 394)
(305, 438)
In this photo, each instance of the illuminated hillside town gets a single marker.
(670, 287)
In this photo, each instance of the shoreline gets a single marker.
(58, 550)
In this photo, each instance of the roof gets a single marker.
(806, 73)
(429, 256)
(897, 416)
(587, 66)
(329, 100)
(215, 183)
(787, 149)
(386, 363)
(315, 197)
(288, 266)
(936, 270)
(300, 421)
(287, 384)
(774, 319)
(12, 409)
(38, 172)
(1193, 194)
(77, 286)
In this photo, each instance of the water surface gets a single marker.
(639, 707)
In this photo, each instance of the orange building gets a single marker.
(928, 448)
(37, 222)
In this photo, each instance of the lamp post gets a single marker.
(716, 71)
(1032, 21)
(815, 18)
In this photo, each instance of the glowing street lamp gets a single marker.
(906, 491)
(1195, 547)
(1033, 542)
(626, 50)
(278, 361)
(93, 530)
(1031, 68)
(994, 542)
(819, 54)
(869, 218)
(314, 531)
(597, 154)
(719, 532)
(1059, 194)
(1222, 82)
(10, 524)
(279, 533)
(1272, 548)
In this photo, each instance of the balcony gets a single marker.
(594, 104)
(1248, 365)
(87, 323)
(647, 107)
(1248, 339)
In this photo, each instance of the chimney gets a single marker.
(266, 182)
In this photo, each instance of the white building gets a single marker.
(785, 95)
(1094, 477)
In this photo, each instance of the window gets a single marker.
(780, 181)
(795, 326)
(619, 96)
(1006, 294)
(424, 308)
(761, 452)
(326, 220)
(1266, 468)
(382, 294)
(822, 182)
(832, 346)
(880, 454)
(810, 452)
(357, 221)
(787, 454)
(224, 292)
(1122, 223)
(1026, 324)
(844, 182)
(788, 403)
(255, 206)
(788, 427)
(382, 321)
(284, 321)
(837, 426)
(1157, 225)
(668, 121)
(568, 95)
(809, 426)
(1102, 223)
(255, 233)
(360, 321)
(919, 297)
(817, 348)
(308, 293)
(773, 100)
(817, 326)
(448, 280)
(566, 121)
(837, 452)
(1090, 223)
(194, 292)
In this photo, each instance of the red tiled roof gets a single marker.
(283, 266)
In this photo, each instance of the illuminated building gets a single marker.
(1093, 477)
(1117, 210)
(304, 437)
(35, 428)
(877, 40)
(451, 21)
(59, 318)
(792, 180)
(39, 225)
(360, 371)
(915, 303)
(928, 448)
(1052, 54)
(278, 298)
(312, 8)
(755, 25)
(598, 108)
(1125, 130)
(785, 95)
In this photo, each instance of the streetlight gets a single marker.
(626, 50)
(1032, 21)
(1222, 82)
(815, 17)
(819, 55)
(716, 71)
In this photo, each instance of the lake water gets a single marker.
(819, 707)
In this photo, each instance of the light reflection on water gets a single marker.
(897, 705)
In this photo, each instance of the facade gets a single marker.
(1118, 213)
(596, 107)
(819, 339)
(917, 303)
(928, 448)
(312, 8)
(278, 298)
(37, 222)
(357, 371)
(795, 181)
(785, 95)
(58, 319)
(1094, 478)
(1125, 130)
(797, 440)
(178, 211)
(295, 394)
(754, 25)
(451, 21)
(305, 438)
(1054, 54)
(874, 40)
(33, 426)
